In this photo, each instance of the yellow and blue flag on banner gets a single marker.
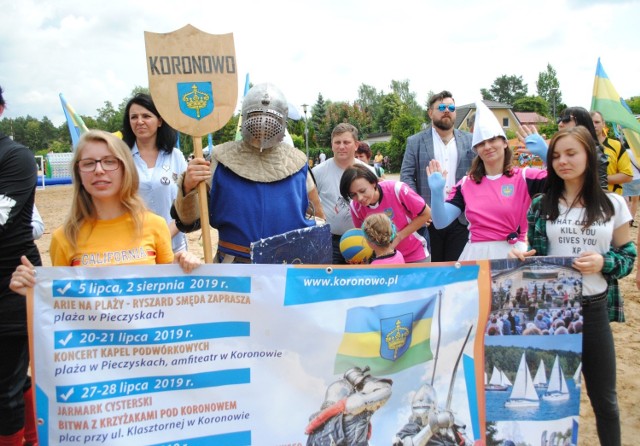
(607, 101)
(387, 338)
(75, 123)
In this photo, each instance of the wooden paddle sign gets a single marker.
(193, 79)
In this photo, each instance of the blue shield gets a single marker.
(395, 336)
(507, 190)
(195, 99)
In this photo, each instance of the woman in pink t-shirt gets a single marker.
(406, 209)
(494, 196)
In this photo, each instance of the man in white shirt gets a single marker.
(452, 148)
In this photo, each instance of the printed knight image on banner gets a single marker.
(193, 78)
(533, 352)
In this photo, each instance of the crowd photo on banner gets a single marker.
(349, 261)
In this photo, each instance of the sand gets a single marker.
(53, 203)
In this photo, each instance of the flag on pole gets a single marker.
(614, 109)
(75, 123)
(239, 128)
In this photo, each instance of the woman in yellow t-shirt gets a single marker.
(108, 223)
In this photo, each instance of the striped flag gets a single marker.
(75, 123)
(239, 128)
(607, 101)
(387, 338)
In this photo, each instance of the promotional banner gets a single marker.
(533, 352)
(260, 354)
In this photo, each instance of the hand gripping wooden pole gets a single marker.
(203, 206)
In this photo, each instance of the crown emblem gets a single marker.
(195, 99)
(397, 338)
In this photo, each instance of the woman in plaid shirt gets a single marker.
(575, 217)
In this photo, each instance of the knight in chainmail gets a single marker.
(258, 187)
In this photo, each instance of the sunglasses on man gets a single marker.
(443, 107)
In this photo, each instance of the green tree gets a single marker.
(318, 114)
(29, 131)
(109, 119)
(369, 99)
(63, 135)
(49, 131)
(227, 132)
(634, 104)
(506, 89)
(33, 135)
(296, 128)
(403, 126)
(55, 147)
(532, 104)
(548, 129)
(90, 122)
(407, 97)
(548, 86)
(337, 113)
(390, 108)
(425, 116)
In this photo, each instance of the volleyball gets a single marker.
(354, 247)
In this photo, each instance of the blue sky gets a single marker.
(94, 52)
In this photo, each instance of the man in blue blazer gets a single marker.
(453, 149)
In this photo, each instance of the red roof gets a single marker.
(531, 118)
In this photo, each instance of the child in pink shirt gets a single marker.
(379, 231)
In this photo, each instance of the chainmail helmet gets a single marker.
(264, 116)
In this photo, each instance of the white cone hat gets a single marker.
(486, 125)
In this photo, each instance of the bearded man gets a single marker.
(452, 148)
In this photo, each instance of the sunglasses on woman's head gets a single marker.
(565, 119)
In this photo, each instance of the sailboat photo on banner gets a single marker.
(524, 392)
(577, 376)
(498, 382)
(540, 380)
(557, 390)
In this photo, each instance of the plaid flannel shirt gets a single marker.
(618, 262)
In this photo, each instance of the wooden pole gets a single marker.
(203, 205)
